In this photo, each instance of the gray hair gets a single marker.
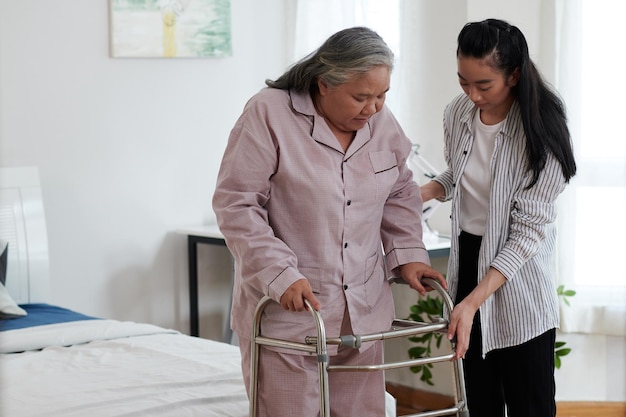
(349, 52)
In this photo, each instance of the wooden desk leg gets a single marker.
(192, 248)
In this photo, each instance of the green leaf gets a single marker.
(559, 344)
(562, 352)
(427, 375)
(417, 352)
(557, 362)
(421, 339)
(438, 337)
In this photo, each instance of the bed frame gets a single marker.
(23, 225)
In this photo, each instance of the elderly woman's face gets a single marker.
(349, 106)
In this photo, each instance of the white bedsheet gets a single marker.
(73, 333)
(129, 370)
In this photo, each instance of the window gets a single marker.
(592, 228)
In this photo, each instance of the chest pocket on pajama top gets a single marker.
(385, 168)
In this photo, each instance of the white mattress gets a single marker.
(128, 369)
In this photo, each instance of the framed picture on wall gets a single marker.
(170, 28)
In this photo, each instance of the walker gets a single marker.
(318, 345)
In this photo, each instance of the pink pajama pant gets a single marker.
(289, 387)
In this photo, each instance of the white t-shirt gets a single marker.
(476, 179)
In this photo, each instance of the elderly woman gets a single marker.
(312, 188)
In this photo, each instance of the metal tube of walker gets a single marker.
(322, 355)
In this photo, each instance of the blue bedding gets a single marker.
(40, 314)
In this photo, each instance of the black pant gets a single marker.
(520, 377)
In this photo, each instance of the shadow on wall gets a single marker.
(159, 293)
(150, 293)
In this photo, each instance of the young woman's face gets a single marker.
(487, 87)
(348, 107)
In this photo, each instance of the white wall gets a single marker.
(128, 149)
(128, 152)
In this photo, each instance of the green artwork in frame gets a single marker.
(170, 28)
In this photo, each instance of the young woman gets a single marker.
(509, 156)
(312, 184)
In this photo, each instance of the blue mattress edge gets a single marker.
(39, 314)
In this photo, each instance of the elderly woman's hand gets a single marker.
(293, 298)
(412, 273)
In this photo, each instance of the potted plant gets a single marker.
(429, 308)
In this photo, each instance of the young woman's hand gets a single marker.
(460, 327)
(462, 315)
(432, 190)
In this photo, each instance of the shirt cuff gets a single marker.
(508, 262)
(402, 256)
(284, 280)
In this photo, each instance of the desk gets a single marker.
(437, 246)
(209, 235)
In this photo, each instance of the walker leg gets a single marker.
(254, 366)
(323, 386)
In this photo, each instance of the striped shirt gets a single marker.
(520, 232)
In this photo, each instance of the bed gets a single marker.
(93, 367)
(55, 362)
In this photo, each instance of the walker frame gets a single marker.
(318, 345)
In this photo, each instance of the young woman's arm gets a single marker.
(462, 316)
(432, 190)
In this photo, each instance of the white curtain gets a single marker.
(592, 212)
(316, 20)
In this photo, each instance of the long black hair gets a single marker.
(543, 113)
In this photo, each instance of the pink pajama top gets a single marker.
(292, 204)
